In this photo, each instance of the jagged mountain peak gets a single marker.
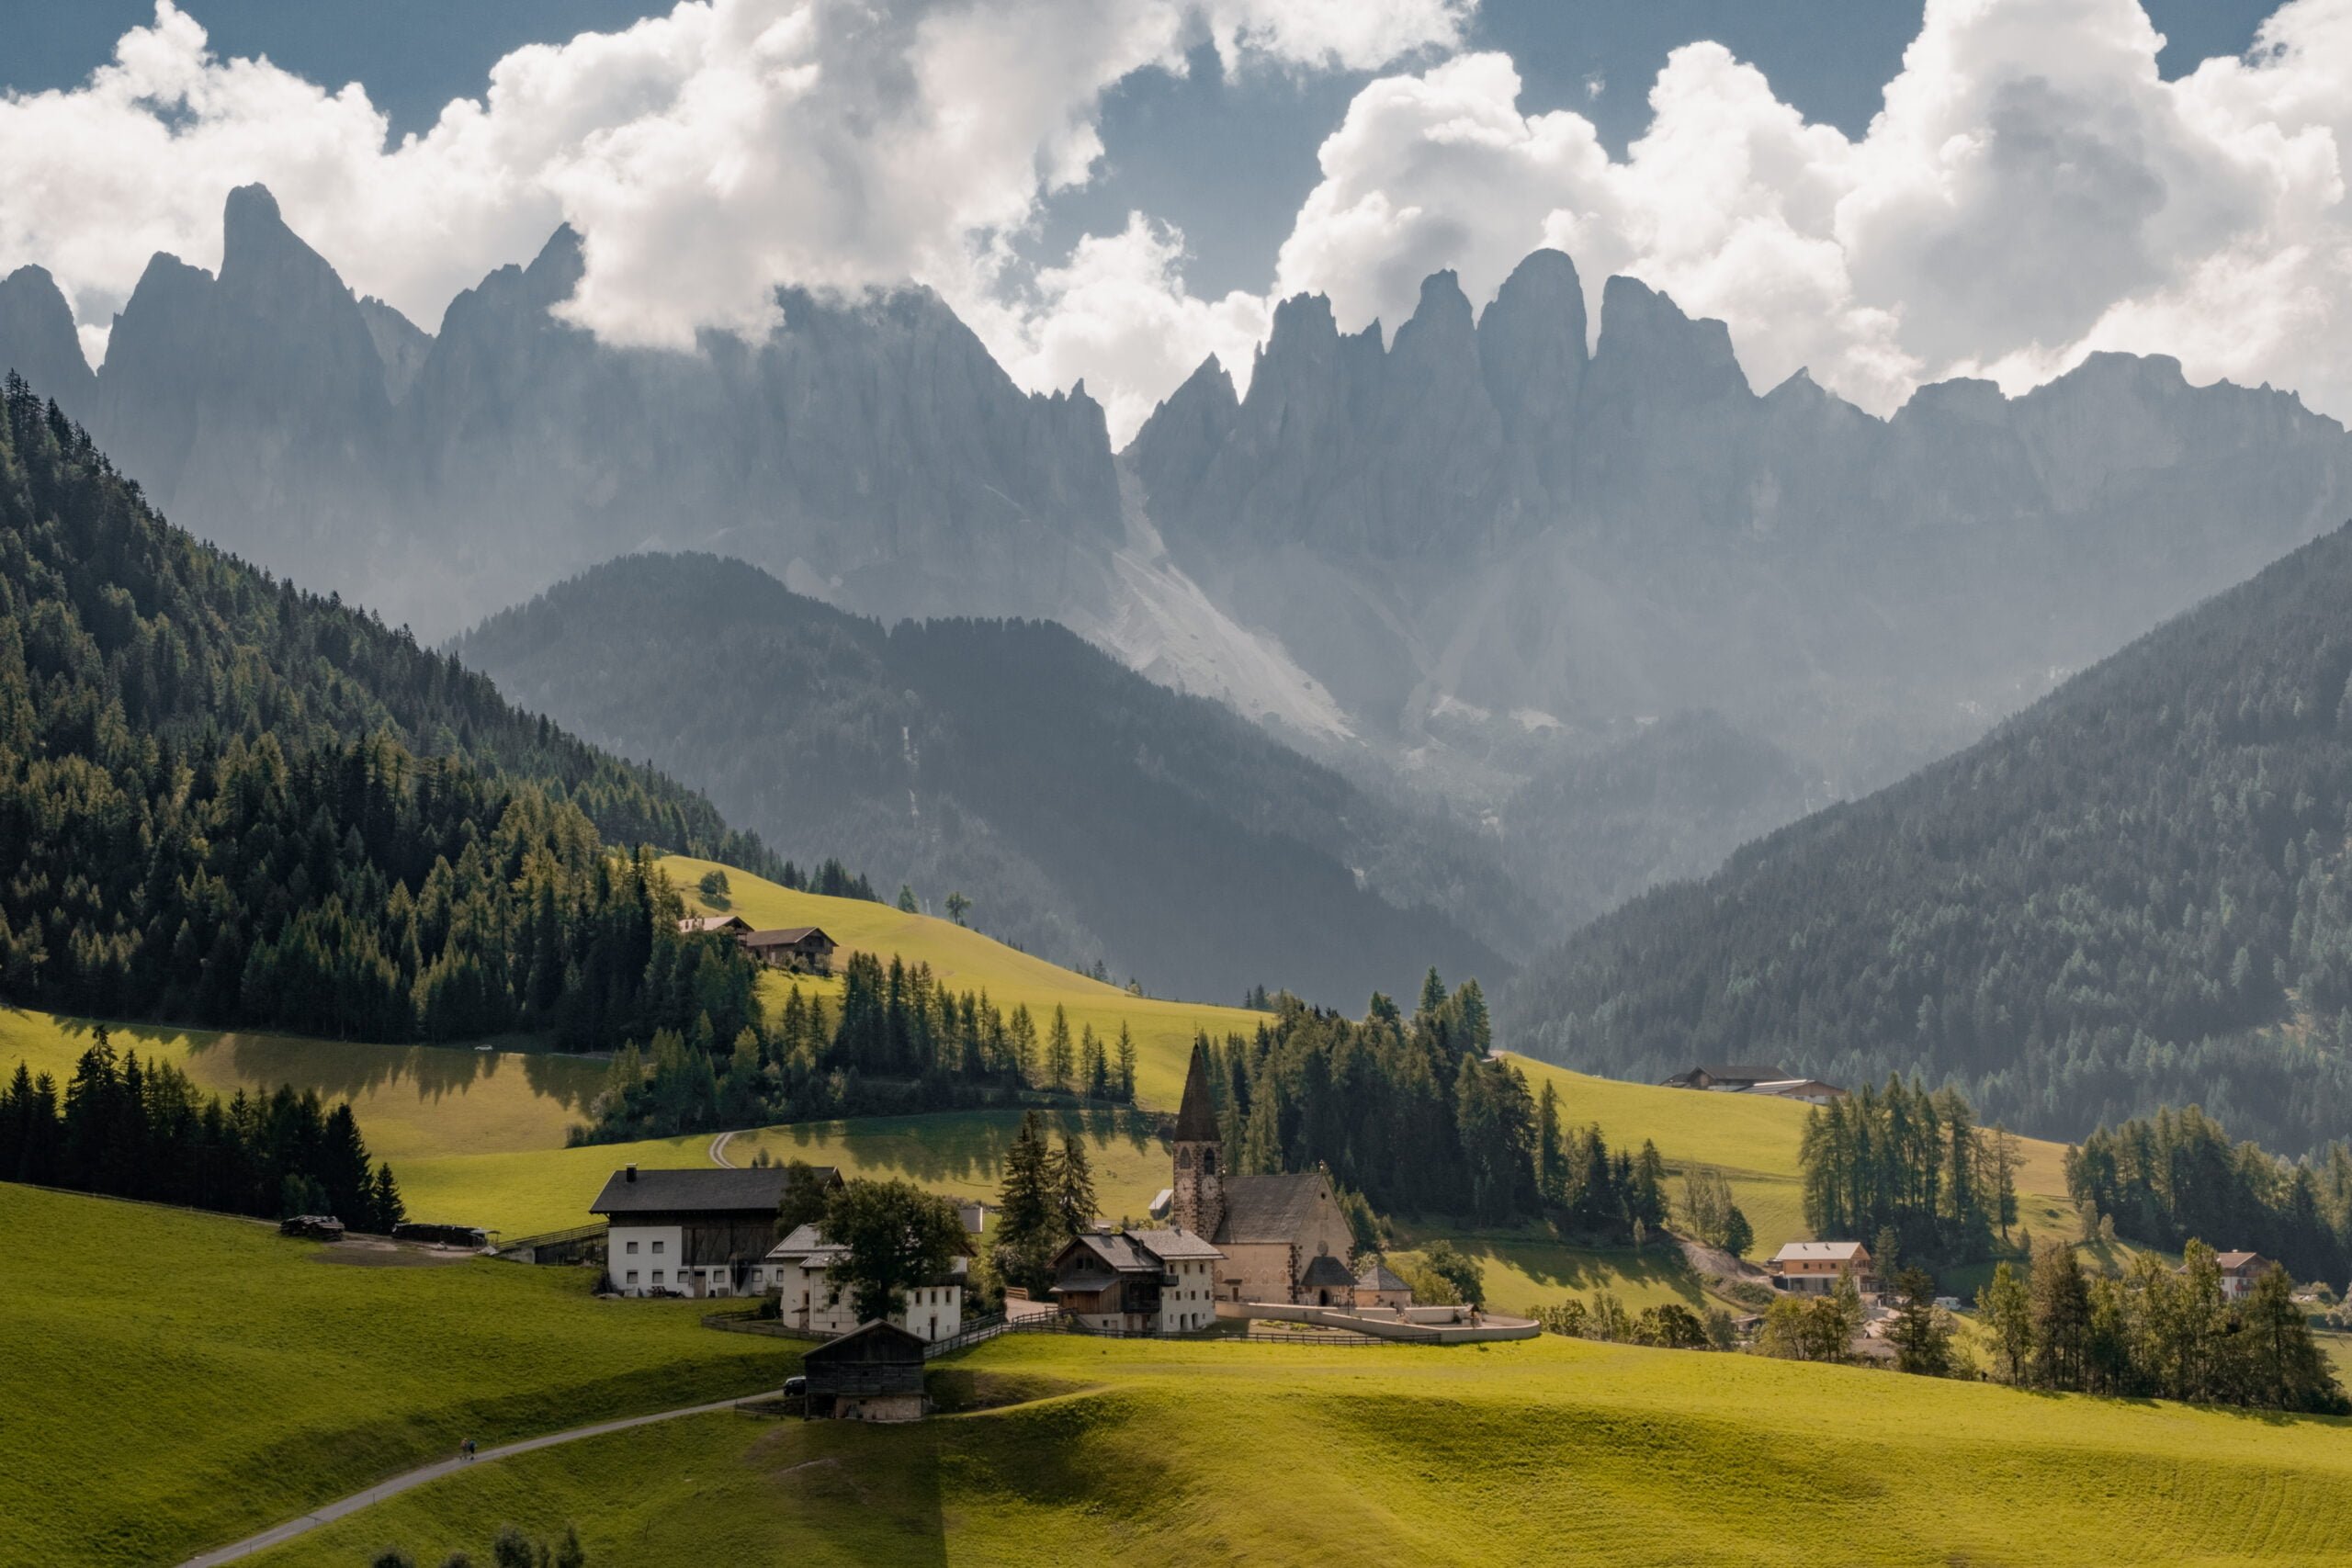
(37, 341)
(1643, 326)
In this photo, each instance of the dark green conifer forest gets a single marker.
(2136, 893)
(225, 801)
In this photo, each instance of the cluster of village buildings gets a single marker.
(1750, 1077)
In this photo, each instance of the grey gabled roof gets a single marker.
(1328, 1270)
(1270, 1208)
(1377, 1276)
(1173, 1243)
(784, 936)
(701, 1190)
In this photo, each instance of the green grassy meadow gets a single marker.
(1540, 1451)
(175, 1380)
(967, 961)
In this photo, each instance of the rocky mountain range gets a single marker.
(1469, 560)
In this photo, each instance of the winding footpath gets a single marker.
(418, 1477)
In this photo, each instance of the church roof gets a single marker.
(1270, 1208)
(1377, 1276)
(1328, 1270)
(1196, 1121)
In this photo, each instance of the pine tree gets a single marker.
(1074, 1201)
(1059, 1062)
(906, 905)
(1097, 1063)
(1126, 1057)
(1026, 1210)
(389, 1210)
(2005, 1309)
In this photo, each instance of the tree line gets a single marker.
(2136, 893)
(128, 1129)
(2156, 1332)
(1911, 1167)
(898, 1042)
(228, 802)
(2162, 1179)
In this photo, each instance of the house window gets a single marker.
(632, 1249)
(657, 1249)
(657, 1273)
(632, 1276)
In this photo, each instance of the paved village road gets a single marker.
(418, 1477)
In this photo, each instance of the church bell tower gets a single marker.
(1197, 1200)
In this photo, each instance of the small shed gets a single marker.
(873, 1373)
(317, 1227)
(1378, 1286)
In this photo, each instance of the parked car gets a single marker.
(795, 1387)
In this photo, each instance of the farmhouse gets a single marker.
(714, 925)
(790, 947)
(871, 1374)
(1730, 1077)
(1810, 1092)
(704, 1232)
(1270, 1229)
(2239, 1271)
(1139, 1281)
(1812, 1268)
(797, 1269)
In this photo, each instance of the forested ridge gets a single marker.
(1092, 816)
(2135, 892)
(227, 801)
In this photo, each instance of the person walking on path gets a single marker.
(466, 1449)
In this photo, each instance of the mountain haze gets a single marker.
(1092, 816)
(2137, 892)
(1491, 548)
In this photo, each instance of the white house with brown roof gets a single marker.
(714, 925)
(1271, 1229)
(701, 1232)
(797, 1269)
(1812, 1268)
(1139, 1281)
(2239, 1271)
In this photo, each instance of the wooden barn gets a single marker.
(873, 1373)
(791, 947)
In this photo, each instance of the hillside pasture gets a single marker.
(967, 961)
(175, 1380)
(1541, 1451)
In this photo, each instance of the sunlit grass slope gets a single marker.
(174, 1380)
(967, 961)
(956, 1153)
(411, 1100)
(1754, 1139)
(1543, 1451)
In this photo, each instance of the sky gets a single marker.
(1108, 190)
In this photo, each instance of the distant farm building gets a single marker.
(714, 925)
(1139, 1281)
(2239, 1271)
(1756, 1078)
(798, 1269)
(1812, 1268)
(1734, 1077)
(791, 947)
(873, 1373)
(704, 1232)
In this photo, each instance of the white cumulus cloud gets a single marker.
(2032, 191)
(706, 155)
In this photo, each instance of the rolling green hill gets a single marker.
(175, 1380)
(1546, 1450)
(2138, 892)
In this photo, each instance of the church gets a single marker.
(1284, 1237)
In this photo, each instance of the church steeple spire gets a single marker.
(1197, 1200)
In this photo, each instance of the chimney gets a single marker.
(631, 1173)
